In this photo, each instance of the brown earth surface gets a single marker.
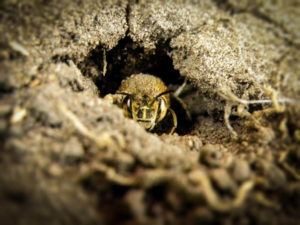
(68, 156)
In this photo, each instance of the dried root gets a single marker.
(287, 167)
(263, 200)
(110, 173)
(212, 197)
(228, 95)
(197, 184)
(180, 89)
(242, 107)
(104, 69)
(227, 113)
(102, 141)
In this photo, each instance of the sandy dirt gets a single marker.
(69, 156)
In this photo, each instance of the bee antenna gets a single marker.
(123, 93)
(163, 93)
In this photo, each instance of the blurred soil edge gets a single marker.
(68, 156)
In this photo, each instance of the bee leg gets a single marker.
(174, 120)
(184, 107)
(152, 126)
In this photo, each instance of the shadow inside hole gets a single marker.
(125, 59)
(128, 58)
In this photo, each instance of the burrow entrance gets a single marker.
(108, 68)
(125, 59)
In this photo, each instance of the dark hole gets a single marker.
(110, 196)
(17, 197)
(128, 58)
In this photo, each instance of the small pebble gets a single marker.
(241, 170)
(223, 180)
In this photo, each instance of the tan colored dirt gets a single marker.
(69, 156)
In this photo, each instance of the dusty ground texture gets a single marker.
(67, 156)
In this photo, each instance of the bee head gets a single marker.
(146, 110)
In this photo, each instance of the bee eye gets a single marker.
(162, 104)
(162, 108)
(127, 102)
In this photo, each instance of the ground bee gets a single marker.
(146, 99)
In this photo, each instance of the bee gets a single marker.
(146, 99)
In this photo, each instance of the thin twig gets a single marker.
(104, 69)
